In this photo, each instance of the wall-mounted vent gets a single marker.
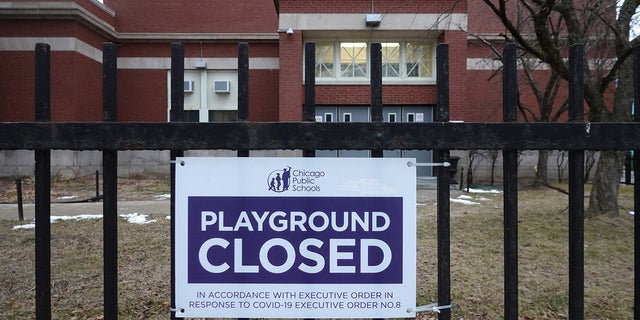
(221, 86)
(188, 86)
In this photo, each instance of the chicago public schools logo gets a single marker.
(279, 180)
(288, 179)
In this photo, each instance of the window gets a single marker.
(392, 117)
(391, 59)
(353, 60)
(419, 60)
(349, 61)
(346, 117)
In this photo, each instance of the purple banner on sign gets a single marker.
(289, 240)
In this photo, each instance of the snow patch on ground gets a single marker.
(472, 190)
(137, 218)
(165, 196)
(464, 201)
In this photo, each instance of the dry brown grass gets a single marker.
(476, 263)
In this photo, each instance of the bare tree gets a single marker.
(557, 24)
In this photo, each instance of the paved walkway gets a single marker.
(157, 207)
(152, 207)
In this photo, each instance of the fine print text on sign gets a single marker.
(295, 238)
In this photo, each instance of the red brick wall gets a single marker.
(263, 95)
(199, 16)
(291, 88)
(50, 28)
(339, 95)
(75, 79)
(75, 87)
(142, 95)
(16, 86)
(457, 41)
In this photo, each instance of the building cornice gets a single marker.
(356, 21)
(57, 10)
(71, 10)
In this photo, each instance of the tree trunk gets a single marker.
(541, 169)
(606, 180)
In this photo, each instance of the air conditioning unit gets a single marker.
(188, 86)
(221, 86)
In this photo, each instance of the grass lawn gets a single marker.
(476, 262)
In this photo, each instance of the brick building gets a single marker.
(276, 32)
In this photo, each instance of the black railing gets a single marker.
(242, 135)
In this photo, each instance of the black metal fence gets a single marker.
(576, 136)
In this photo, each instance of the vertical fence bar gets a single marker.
(176, 114)
(309, 108)
(43, 185)
(110, 184)
(243, 93)
(636, 191)
(19, 198)
(376, 89)
(243, 87)
(510, 174)
(443, 185)
(576, 187)
(97, 185)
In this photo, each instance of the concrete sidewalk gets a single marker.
(150, 207)
(155, 207)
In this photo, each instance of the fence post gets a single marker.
(177, 108)
(110, 184)
(443, 186)
(576, 187)
(376, 90)
(97, 185)
(309, 108)
(510, 174)
(19, 196)
(243, 87)
(636, 191)
(43, 185)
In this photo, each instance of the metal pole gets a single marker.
(636, 192)
(376, 89)
(576, 187)
(97, 184)
(177, 110)
(309, 108)
(43, 185)
(443, 185)
(510, 173)
(110, 187)
(243, 87)
(19, 195)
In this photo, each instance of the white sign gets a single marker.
(295, 237)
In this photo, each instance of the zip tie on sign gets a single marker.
(432, 307)
(176, 310)
(428, 164)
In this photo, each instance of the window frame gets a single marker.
(403, 79)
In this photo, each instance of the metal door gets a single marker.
(410, 114)
(342, 114)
